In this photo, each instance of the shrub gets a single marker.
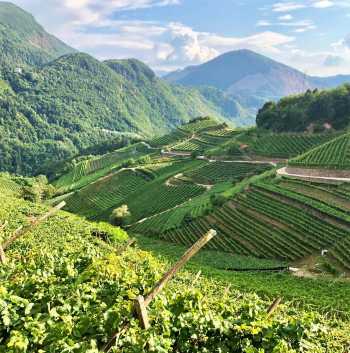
(120, 216)
(108, 233)
(217, 200)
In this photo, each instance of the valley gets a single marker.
(207, 210)
(277, 236)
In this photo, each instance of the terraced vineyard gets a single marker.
(169, 139)
(90, 170)
(288, 145)
(199, 124)
(192, 145)
(215, 172)
(163, 198)
(264, 224)
(196, 207)
(334, 154)
(8, 186)
(222, 132)
(73, 291)
(102, 196)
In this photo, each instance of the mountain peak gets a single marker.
(24, 41)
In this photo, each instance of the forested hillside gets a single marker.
(23, 41)
(314, 111)
(75, 102)
(55, 106)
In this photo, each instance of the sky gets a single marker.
(310, 35)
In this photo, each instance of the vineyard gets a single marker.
(215, 172)
(196, 207)
(334, 154)
(190, 146)
(163, 198)
(99, 197)
(170, 139)
(199, 124)
(90, 170)
(288, 145)
(8, 186)
(272, 220)
(76, 292)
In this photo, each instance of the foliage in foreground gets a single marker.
(75, 302)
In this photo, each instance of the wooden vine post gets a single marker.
(21, 231)
(273, 306)
(2, 251)
(142, 303)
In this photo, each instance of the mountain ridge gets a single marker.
(246, 74)
(23, 41)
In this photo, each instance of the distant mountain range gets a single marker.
(251, 78)
(56, 102)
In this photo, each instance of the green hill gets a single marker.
(23, 41)
(314, 111)
(75, 102)
(56, 103)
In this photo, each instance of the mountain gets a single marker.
(56, 111)
(56, 103)
(23, 41)
(145, 79)
(251, 77)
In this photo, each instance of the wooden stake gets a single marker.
(227, 290)
(184, 259)
(2, 255)
(115, 338)
(2, 251)
(141, 312)
(19, 232)
(273, 306)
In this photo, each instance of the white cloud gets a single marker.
(333, 61)
(322, 4)
(263, 23)
(287, 17)
(89, 26)
(287, 6)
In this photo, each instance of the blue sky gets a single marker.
(311, 35)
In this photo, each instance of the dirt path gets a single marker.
(283, 172)
(242, 161)
(179, 176)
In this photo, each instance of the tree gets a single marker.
(120, 216)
